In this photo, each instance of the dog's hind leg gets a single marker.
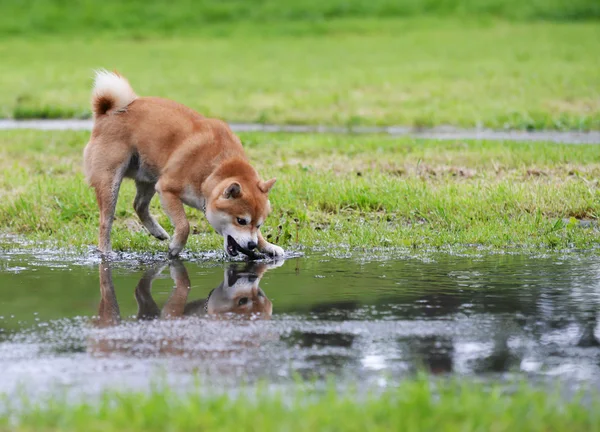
(141, 204)
(106, 162)
(107, 192)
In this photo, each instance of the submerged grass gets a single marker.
(414, 405)
(358, 191)
(416, 72)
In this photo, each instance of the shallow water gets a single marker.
(438, 133)
(85, 325)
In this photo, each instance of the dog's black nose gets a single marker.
(252, 245)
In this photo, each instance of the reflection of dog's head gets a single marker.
(237, 208)
(240, 294)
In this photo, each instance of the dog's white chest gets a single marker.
(192, 199)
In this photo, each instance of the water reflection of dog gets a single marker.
(238, 294)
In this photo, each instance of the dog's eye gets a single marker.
(241, 221)
(258, 226)
(242, 301)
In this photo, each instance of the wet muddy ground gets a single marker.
(84, 325)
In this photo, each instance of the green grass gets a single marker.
(42, 17)
(415, 72)
(415, 405)
(367, 191)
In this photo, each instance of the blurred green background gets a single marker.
(162, 17)
(528, 64)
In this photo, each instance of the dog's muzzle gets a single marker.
(233, 249)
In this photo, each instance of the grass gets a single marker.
(415, 405)
(43, 17)
(418, 71)
(364, 192)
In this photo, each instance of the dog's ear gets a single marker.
(267, 185)
(234, 190)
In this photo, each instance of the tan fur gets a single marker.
(168, 148)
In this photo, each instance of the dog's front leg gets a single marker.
(174, 209)
(269, 248)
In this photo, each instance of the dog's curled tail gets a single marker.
(111, 93)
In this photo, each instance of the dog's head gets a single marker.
(240, 294)
(236, 210)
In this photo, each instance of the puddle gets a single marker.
(440, 133)
(88, 325)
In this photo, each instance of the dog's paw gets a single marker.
(174, 250)
(273, 250)
(163, 236)
(158, 232)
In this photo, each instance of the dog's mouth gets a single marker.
(232, 246)
(233, 249)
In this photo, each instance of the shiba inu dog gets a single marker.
(168, 148)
